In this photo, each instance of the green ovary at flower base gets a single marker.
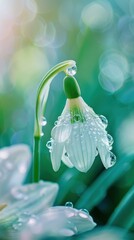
(79, 134)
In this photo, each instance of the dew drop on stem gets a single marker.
(71, 71)
(44, 121)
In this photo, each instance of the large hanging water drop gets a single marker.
(71, 71)
(110, 139)
(104, 120)
(69, 204)
(113, 159)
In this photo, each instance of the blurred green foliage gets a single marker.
(99, 36)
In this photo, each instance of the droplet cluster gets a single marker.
(92, 125)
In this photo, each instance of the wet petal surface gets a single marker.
(66, 221)
(27, 200)
(14, 165)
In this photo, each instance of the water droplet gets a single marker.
(49, 144)
(85, 211)
(55, 123)
(17, 226)
(104, 120)
(71, 70)
(42, 134)
(110, 139)
(113, 159)
(44, 121)
(76, 118)
(21, 219)
(69, 204)
(66, 154)
(18, 194)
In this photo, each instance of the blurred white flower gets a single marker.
(18, 204)
(78, 136)
(59, 221)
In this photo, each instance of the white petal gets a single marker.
(66, 160)
(14, 165)
(28, 200)
(60, 133)
(56, 154)
(62, 130)
(105, 155)
(59, 222)
(81, 220)
(81, 148)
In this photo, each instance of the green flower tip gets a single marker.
(71, 87)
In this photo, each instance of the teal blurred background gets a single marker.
(99, 35)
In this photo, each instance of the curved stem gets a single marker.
(42, 95)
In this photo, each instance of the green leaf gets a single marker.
(97, 191)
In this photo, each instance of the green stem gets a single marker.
(36, 163)
(41, 100)
(123, 216)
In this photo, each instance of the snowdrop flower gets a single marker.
(79, 134)
(19, 204)
(59, 221)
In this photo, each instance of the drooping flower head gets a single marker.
(79, 134)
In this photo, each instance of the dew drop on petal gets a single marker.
(85, 211)
(71, 71)
(22, 219)
(17, 226)
(49, 144)
(19, 195)
(55, 123)
(104, 120)
(76, 118)
(69, 204)
(110, 139)
(113, 159)
(44, 121)
(66, 154)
